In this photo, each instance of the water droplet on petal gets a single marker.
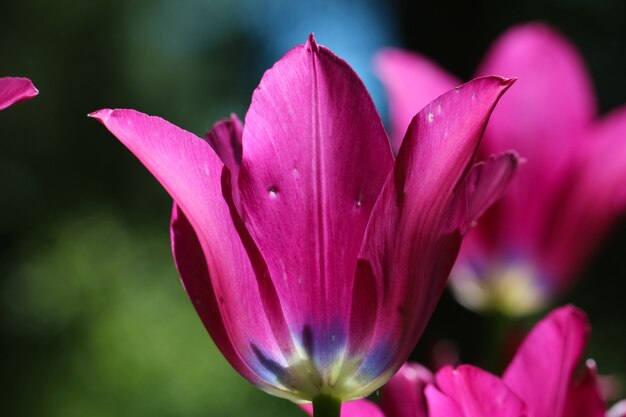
(359, 201)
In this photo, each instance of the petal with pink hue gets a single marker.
(411, 82)
(544, 117)
(440, 405)
(618, 410)
(14, 90)
(225, 139)
(584, 398)
(476, 393)
(544, 365)
(358, 408)
(486, 184)
(599, 171)
(192, 173)
(403, 395)
(415, 217)
(194, 271)
(315, 158)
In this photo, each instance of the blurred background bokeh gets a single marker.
(93, 319)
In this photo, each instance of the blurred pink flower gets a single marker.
(542, 380)
(313, 258)
(538, 238)
(14, 90)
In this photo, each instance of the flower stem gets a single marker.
(326, 406)
(499, 326)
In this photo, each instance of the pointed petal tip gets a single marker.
(570, 315)
(311, 44)
(570, 310)
(503, 82)
(16, 89)
(101, 115)
(33, 91)
(506, 81)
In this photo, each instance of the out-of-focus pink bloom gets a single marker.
(542, 380)
(468, 391)
(14, 90)
(536, 240)
(313, 258)
(618, 410)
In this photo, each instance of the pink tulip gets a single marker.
(542, 380)
(618, 410)
(533, 244)
(313, 258)
(14, 90)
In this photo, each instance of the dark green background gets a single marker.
(93, 320)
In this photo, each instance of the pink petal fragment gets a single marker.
(14, 90)
(225, 139)
(544, 117)
(543, 367)
(194, 271)
(403, 395)
(190, 171)
(618, 410)
(440, 405)
(599, 172)
(412, 239)
(553, 102)
(478, 393)
(358, 408)
(485, 184)
(584, 398)
(411, 82)
(315, 158)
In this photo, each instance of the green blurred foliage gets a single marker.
(106, 329)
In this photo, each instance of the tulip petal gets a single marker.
(440, 405)
(403, 395)
(411, 82)
(415, 216)
(486, 184)
(225, 139)
(194, 271)
(599, 172)
(193, 175)
(544, 117)
(358, 408)
(584, 398)
(14, 89)
(315, 158)
(618, 410)
(543, 367)
(476, 393)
